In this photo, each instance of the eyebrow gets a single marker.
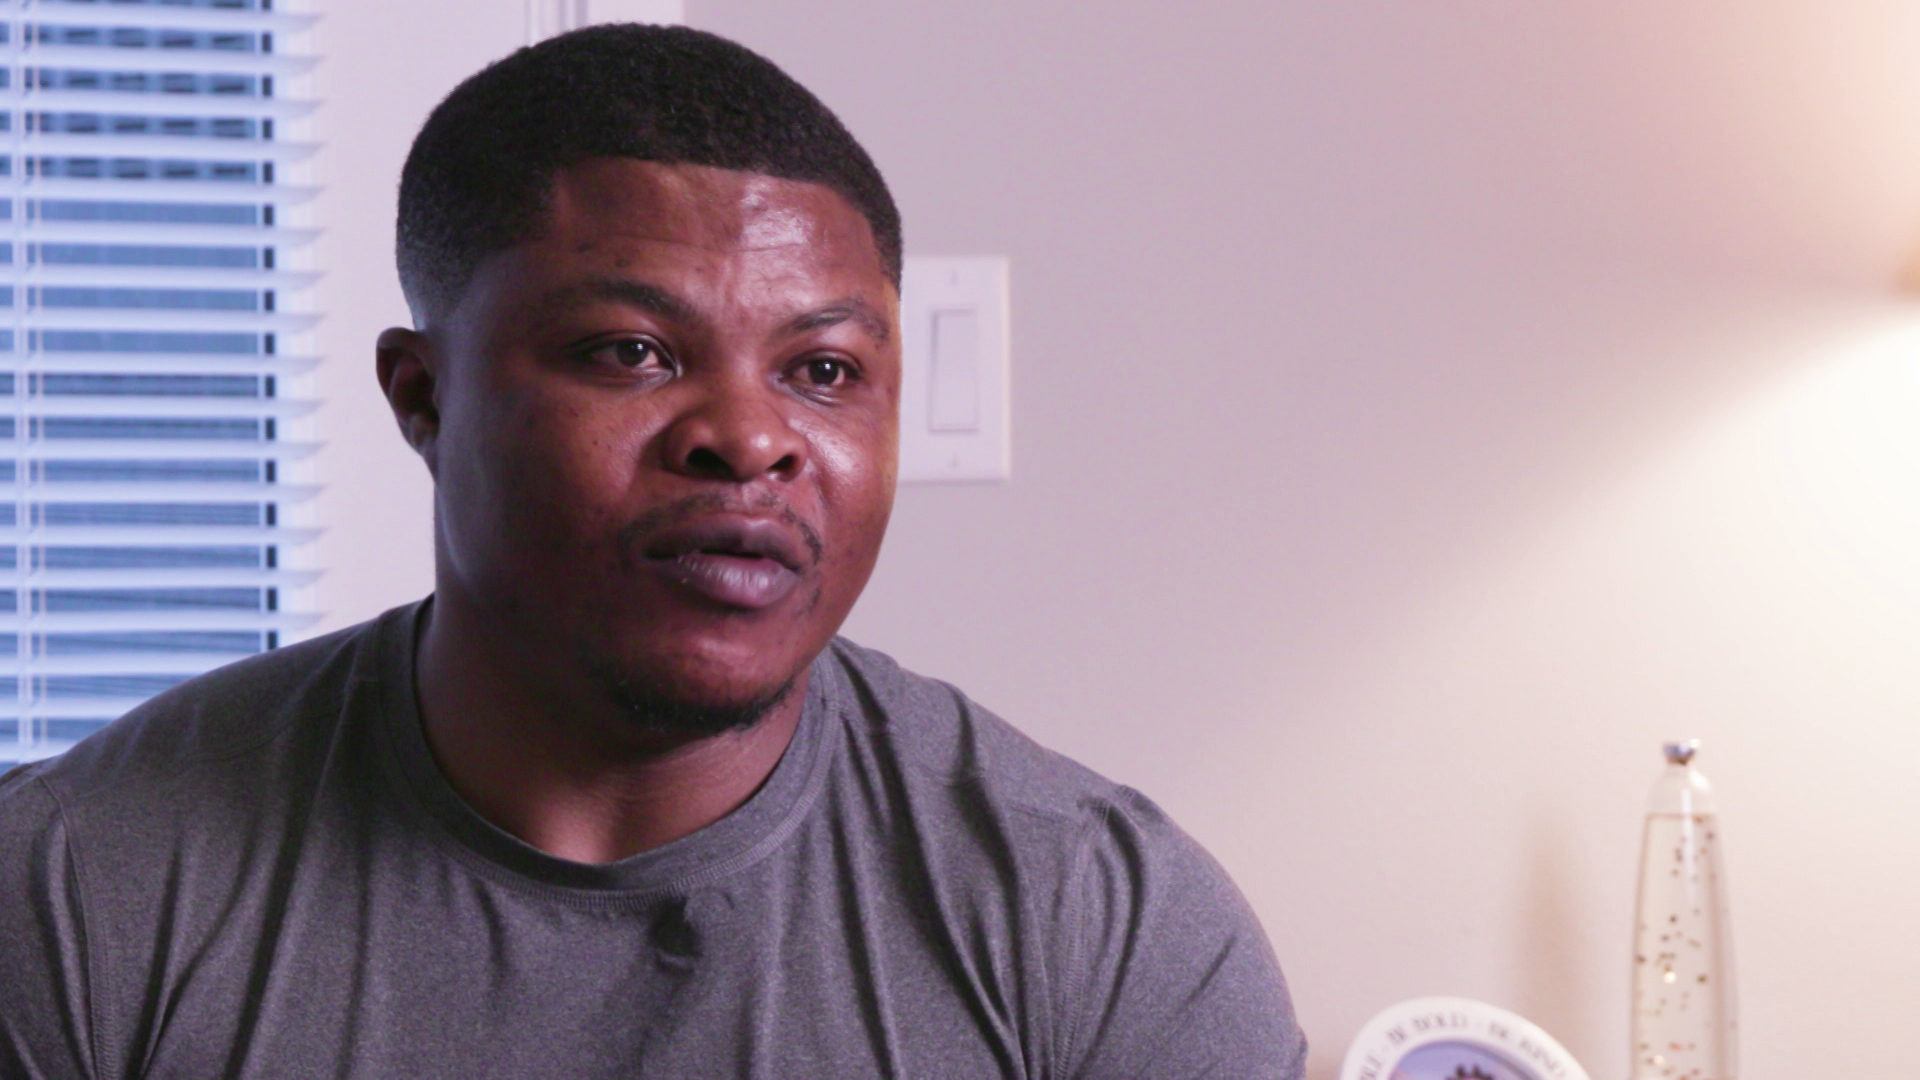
(658, 301)
(636, 294)
(852, 309)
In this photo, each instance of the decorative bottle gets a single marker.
(1683, 996)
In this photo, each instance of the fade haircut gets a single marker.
(480, 175)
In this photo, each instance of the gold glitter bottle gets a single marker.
(1683, 1001)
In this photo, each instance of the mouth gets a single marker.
(737, 562)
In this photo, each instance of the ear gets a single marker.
(409, 376)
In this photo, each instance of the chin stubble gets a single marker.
(650, 708)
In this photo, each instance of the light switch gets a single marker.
(646, 11)
(954, 422)
(545, 18)
(956, 370)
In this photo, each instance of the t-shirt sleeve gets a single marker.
(1168, 973)
(43, 960)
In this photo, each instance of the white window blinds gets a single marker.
(153, 342)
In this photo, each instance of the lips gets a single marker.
(738, 562)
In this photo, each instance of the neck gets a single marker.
(535, 747)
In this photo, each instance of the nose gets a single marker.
(736, 432)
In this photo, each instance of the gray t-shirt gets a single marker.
(262, 873)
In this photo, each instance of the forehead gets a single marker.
(623, 210)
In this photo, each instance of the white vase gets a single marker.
(1684, 1023)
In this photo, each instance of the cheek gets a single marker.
(531, 476)
(856, 467)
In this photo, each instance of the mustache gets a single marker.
(633, 534)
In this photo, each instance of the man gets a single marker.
(615, 801)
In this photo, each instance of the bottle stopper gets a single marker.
(1679, 753)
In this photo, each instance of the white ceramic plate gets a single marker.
(1455, 1039)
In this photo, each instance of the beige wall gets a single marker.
(1421, 411)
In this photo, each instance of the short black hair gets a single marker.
(481, 171)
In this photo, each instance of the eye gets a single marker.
(826, 373)
(637, 355)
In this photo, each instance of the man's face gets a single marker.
(667, 431)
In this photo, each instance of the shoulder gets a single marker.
(137, 842)
(1159, 965)
(224, 715)
(938, 732)
(29, 815)
(943, 739)
(1107, 847)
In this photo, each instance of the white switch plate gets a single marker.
(545, 18)
(954, 372)
(646, 11)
